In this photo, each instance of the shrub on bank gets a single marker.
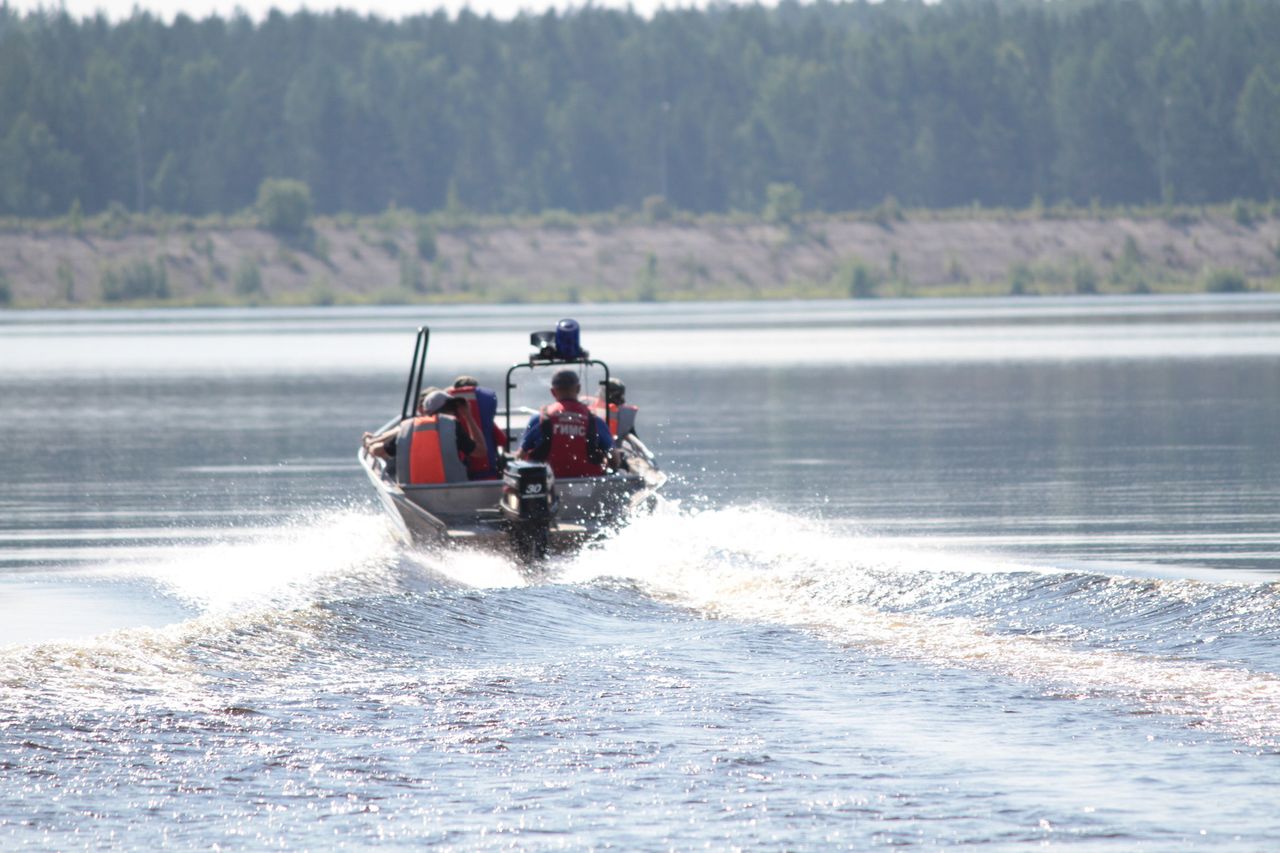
(648, 281)
(656, 208)
(1084, 278)
(1244, 212)
(411, 276)
(857, 278)
(783, 203)
(1224, 281)
(135, 279)
(1020, 279)
(284, 206)
(425, 237)
(557, 219)
(888, 212)
(66, 281)
(248, 278)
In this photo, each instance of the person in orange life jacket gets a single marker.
(434, 449)
(620, 416)
(431, 447)
(431, 401)
(566, 435)
(482, 407)
(382, 444)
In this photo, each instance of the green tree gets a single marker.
(114, 125)
(1258, 124)
(37, 176)
(996, 102)
(1099, 155)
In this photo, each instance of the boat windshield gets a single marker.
(533, 386)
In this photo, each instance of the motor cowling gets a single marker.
(528, 491)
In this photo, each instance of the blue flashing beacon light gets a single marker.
(567, 343)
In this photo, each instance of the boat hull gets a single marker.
(468, 513)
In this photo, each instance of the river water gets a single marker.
(998, 574)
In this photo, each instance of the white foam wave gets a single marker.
(289, 566)
(469, 568)
(156, 667)
(759, 565)
(256, 604)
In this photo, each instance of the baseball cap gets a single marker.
(435, 401)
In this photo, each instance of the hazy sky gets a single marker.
(167, 9)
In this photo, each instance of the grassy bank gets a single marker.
(656, 254)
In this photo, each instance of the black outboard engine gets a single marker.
(529, 506)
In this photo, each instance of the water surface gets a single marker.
(930, 573)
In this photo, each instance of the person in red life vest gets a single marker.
(482, 407)
(415, 449)
(566, 435)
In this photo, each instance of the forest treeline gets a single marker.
(999, 102)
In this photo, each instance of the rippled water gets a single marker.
(997, 574)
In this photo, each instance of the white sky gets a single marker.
(257, 9)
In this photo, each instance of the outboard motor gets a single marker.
(529, 505)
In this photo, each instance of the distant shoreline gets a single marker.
(404, 258)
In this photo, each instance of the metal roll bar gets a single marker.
(416, 368)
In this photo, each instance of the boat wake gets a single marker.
(242, 605)
(248, 611)
(1199, 650)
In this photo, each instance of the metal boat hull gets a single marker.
(468, 513)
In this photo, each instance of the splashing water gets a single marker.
(765, 566)
(259, 604)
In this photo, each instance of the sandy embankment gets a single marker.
(593, 262)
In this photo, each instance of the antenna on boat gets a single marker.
(416, 368)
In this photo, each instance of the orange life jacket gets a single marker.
(621, 419)
(427, 452)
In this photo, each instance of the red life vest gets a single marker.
(427, 452)
(569, 428)
(480, 467)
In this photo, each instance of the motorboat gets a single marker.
(527, 511)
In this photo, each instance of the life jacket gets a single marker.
(484, 406)
(621, 419)
(427, 452)
(569, 442)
